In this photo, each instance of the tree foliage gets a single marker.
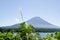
(26, 32)
(48, 37)
(57, 35)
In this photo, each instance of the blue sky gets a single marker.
(48, 10)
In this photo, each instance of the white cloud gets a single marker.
(17, 20)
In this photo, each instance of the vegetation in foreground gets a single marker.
(27, 32)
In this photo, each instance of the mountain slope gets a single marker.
(37, 22)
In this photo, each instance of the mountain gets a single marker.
(39, 24)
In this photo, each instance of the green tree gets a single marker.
(57, 35)
(1, 36)
(17, 37)
(22, 30)
(25, 31)
(48, 37)
(9, 36)
(38, 37)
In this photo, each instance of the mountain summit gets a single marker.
(38, 22)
